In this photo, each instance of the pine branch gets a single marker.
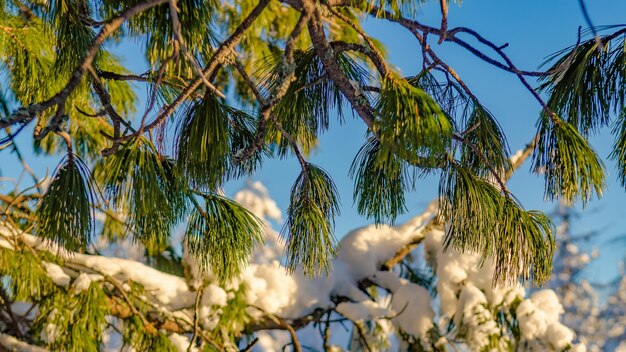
(326, 53)
(285, 325)
(196, 329)
(286, 77)
(374, 54)
(146, 77)
(222, 52)
(176, 28)
(13, 323)
(379, 62)
(435, 223)
(26, 114)
(105, 100)
(444, 20)
(450, 36)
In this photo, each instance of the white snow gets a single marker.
(56, 273)
(256, 199)
(181, 343)
(361, 311)
(365, 249)
(84, 280)
(50, 333)
(538, 319)
(465, 292)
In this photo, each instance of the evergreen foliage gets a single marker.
(589, 83)
(380, 180)
(28, 278)
(308, 61)
(481, 219)
(77, 320)
(411, 122)
(571, 167)
(485, 134)
(208, 138)
(308, 231)
(222, 235)
(304, 112)
(143, 184)
(64, 214)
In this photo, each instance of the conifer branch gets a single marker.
(196, 328)
(178, 37)
(41, 132)
(437, 224)
(377, 60)
(375, 55)
(450, 36)
(10, 343)
(496, 175)
(250, 345)
(13, 323)
(26, 114)
(286, 77)
(105, 100)
(222, 52)
(285, 325)
(327, 55)
(292, 141)
(262, 101)
(145, 77)
(149, 326)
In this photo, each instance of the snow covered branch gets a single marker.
(375, 279)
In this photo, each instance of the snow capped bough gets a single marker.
(394, 285)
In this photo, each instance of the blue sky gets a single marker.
(534, 29)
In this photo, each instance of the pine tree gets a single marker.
(241, 82)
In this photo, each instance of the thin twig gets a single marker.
(267, 106)
(583, 9)
(361, 333)
(220, 54)
(105, 100)
(176, 28)
(196, 321)
(373, 53)
(250, 345)
(327, 333)
(149, 326)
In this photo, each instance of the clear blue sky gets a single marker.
(533, 29)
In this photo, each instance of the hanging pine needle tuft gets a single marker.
(222, 235)
(380, 179)
(142, 183)
(484, 133)
(64, 215)
(208, 138)
(411, 121)
(588, 84)
(313, 205)
(571, 167)
(483, 220)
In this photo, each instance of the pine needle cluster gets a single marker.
(251, 80)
